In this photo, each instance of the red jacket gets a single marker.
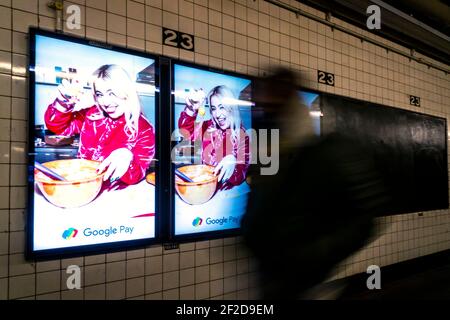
(214, 145)
(99, 136)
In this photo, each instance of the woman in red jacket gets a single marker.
(225, 144)
(112, 129)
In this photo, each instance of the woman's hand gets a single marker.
(117, 163)
(195, 99)
(72, 96)
(225, 168)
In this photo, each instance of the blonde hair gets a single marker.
(123, 83)
(231, 107)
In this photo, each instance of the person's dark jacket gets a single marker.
(314, 213)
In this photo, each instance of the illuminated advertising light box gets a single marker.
(93, 133)
(212, 122)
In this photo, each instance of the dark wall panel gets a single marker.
(410, 149)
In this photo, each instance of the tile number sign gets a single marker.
(414, 101)
(325, 78)
(178, 39)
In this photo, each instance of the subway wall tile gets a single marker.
(135, 43)
(136, 28)
(97, 292)
(4, 204)
(94, 274)
(22, 286)
(153, 16)
(153, 33)
(5, 85)
(171, 280)
(172, 294)
(116, 39)
(76, 294)
(171, 262)
(18, 152)
(202, 291)
(135, 287)
(153, 283)
(116, 290)
(187, 293)
(19, 42)
(96, 18)
(5, 62)
(4, 221)
(116, 23)
(97, 4)
(5, 107)
(19, 109)
(52, 265)
(4, 266)
(202, 274)
(5, 17)
(5, 39)
(170, 6)
(187, 277)
(135, 268)
(48, 282)
(135, 10)
(4, 175)
(19, 266)
(22, 20)
(18, 176)
(49, 296)
(186, 8)
(18, 197)
(186, 25)
(117, 6)
(94, 259)
(116, 271)
(170, 20)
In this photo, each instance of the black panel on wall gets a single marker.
(410, 149)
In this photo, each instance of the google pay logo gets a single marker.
(70, 233)
(197, 222)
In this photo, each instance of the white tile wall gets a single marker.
(5, 107)
(187, 277)
(19, 109)
(135, 268)
(135, 287)
(117, 6)
(4, 266)
(171, 280)
(202, 274)
(187, 293)
(116, 290)
(48, 282)
(153, 283)
(22, 286)
(97, 292)
(95, 18)
(115, 271)
(245, 36)
(4, 221)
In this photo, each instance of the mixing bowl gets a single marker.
(82, 186)
(203, 187)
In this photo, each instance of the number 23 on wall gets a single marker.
(325, 78)
(178, 39)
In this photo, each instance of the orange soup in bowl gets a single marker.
(203, 186)
(82, 186)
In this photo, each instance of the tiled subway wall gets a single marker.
(246, 36)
